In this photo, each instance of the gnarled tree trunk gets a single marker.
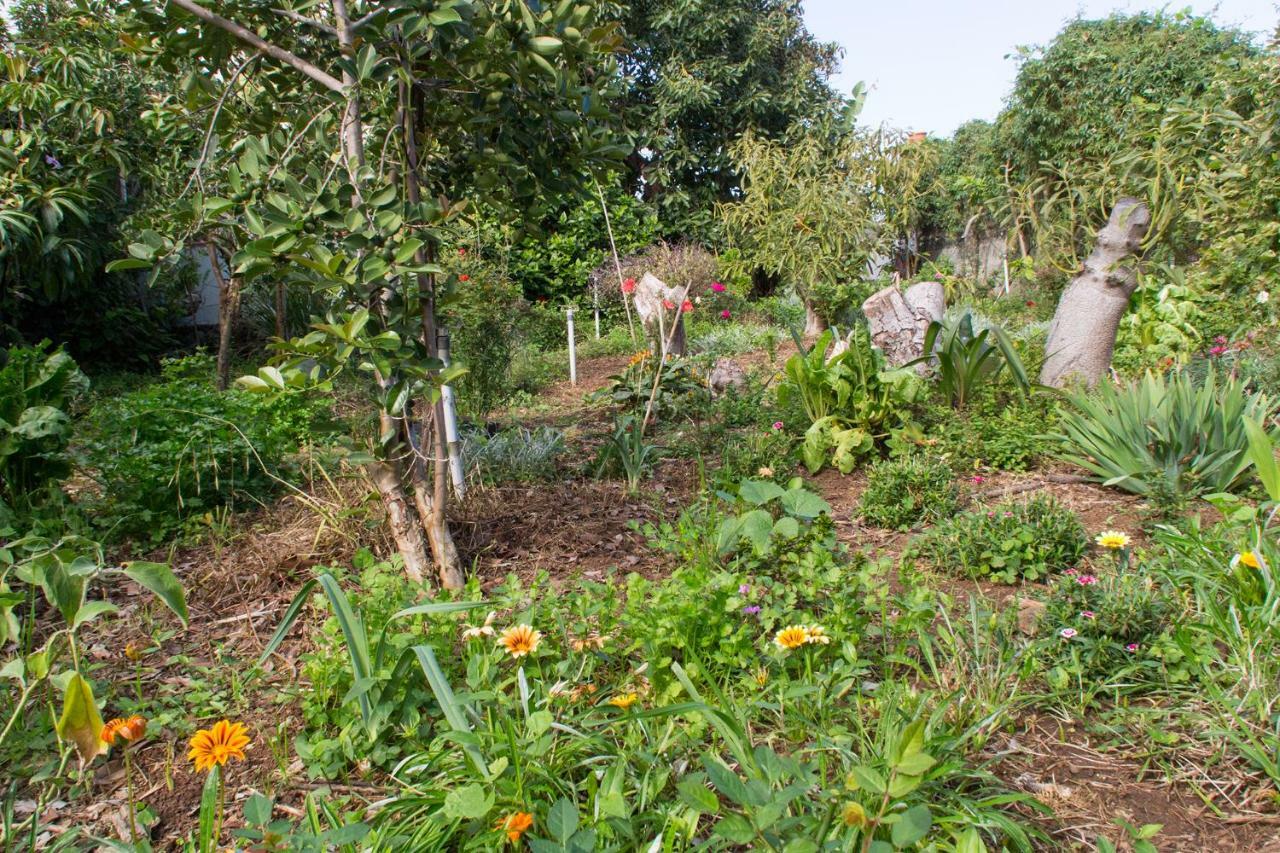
(406, 529)
(898, 321)
(1082, 336)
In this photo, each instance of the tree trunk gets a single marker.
(898, 321)
(228, 311)
(281, 302)
(428, 501)
(406, 529)
(1082, 335)
(814, 324)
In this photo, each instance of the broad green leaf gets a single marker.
(160, 580)
(759, 492)
(697, 796)
(91, 610)
(804, 503)
(562, 820)
(914, 825)
(469, 802)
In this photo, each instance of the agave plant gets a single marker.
(1165, 436)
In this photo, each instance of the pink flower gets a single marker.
(717, 287)
(1086, 580)
(1070, 573)
(1132, 647)
(978, 478)
(777, 425)
(1220, 339)
(725, 315)
(668, 304)
(629, 285)
(1067, 633)
(1086, 614)
(1218, 350)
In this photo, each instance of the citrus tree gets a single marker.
(382, 124)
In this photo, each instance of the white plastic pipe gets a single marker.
(456, 472)
(573, 350)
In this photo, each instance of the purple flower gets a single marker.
(1067, 633)
(744, 589)
(1086, 614)
(777, 425)
(1132, 647)
(50, 160)
(751, 609)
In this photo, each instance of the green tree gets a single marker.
(700, 74)
(415, 113)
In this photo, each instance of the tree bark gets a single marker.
(814, 324)
(228, 311)
(406, 530)
(1082, 336)
(281, 302)
(898, 321)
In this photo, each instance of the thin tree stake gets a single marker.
(617, 264)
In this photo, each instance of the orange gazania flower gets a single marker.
(515, 825)
(216, 746)
(1248, 558)
(791, 637)
(127, 730)
(520, 640)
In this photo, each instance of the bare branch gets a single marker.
(302, 19)
(359, 24)
(250, 38)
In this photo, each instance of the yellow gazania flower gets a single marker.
(1113, 539)
(624, 700)
(515, 825)
(520, 640)
(816, 634)
(216, 746)
(1248, 558)
(791, 637)
(127, 730)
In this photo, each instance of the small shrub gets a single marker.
(512, 455)
(1095, 626)
(1009, 542)
(998, 431)
(180, 448)
(902, 493)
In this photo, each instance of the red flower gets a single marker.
(687, 306)
(464, 277)
(462, 253)
(668, 304)
(629, 285)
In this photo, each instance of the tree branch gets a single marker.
(302, 19)
(248, 37)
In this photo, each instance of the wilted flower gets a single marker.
(127, 730)
(474, 632)
(717, 287)
(761, 676)
(133, 652)
(817, 634)
(1113, 539)
(1067, 633)
(515, 825)
(1248, 558)
(520, 640)
(765, 471)
(591, 641)
(854, 815)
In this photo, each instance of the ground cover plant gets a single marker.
(863, 567)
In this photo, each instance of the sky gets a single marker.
(934, 64)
